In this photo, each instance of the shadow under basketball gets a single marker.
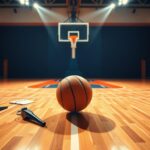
(91, 122)
(60, 123)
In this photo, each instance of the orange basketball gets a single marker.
(74, 93)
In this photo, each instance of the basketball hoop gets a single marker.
(73, 40)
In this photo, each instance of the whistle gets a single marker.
(28, 115)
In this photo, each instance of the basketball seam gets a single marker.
(61, 95)
(83, 88)
(72, 93)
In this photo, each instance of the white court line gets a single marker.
(74, 137)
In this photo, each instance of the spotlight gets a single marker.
(22, 2)
(112, 5)
(119, 3)
(27, 2)
(36, 5)
(123, 2)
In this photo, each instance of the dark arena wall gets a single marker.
(1, 66)
(114, 51)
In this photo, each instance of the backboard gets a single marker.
(65, 30)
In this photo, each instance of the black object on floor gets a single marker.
(3, 107)
(28, 115)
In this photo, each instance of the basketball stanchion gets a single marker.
(73, 40)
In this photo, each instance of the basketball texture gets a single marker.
(74, 93)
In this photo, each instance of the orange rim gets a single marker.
(73, 38)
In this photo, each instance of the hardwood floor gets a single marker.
(116, 119)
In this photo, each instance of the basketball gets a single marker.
(74, 93)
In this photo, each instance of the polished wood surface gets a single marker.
(116, 119)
